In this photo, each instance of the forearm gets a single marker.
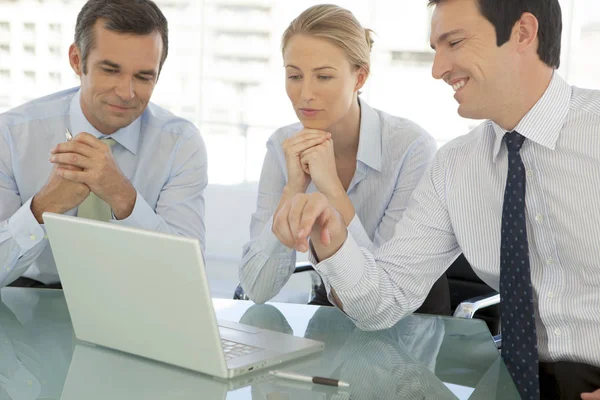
(22, 240)
(341, 202)
(184, 219)
(357, 284)
(123, 203)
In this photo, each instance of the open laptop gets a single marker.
(147, 293)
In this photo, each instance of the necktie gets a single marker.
(519, 340)
(93, 207)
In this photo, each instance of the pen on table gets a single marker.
(310, 379)
(68, 134)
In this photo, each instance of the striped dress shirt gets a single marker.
(457, 207)
(393, 154)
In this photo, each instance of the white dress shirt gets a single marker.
(457, 208)
(393, 154)
(163, 157)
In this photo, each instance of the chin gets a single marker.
(469, 113)
(314, 124)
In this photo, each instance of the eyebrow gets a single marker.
(445, 36)
(314, 69)
(111, 64)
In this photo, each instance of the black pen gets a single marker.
(310, 379)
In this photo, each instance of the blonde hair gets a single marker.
(339, 27)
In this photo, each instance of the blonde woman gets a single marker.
(365, 161)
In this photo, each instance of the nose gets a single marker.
(125, 89)
(441, 65)
(307, 94)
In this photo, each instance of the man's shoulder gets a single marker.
(586, 101)
(159, 118)
(472, 139)
(50, 106)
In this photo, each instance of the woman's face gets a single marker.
(320, 81)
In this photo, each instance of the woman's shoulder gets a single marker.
(400, 132)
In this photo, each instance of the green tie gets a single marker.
(93, 207)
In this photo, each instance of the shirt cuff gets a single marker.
(268, 242)
(142, 216)
(25, 229)
(359, 234)
(344, 270)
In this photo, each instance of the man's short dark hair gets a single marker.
(504, 14)
(140, 17)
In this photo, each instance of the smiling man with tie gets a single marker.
(128, 161)
(518, 196)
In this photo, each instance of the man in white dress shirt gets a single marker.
(518, 196)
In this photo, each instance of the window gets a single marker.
(29, 49)
(5, 77)
(584, 66)
(54, 51)
(29, 27)
(55, 77)
(226, 74)
(29, 77)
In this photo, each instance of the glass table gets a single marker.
(421, 357)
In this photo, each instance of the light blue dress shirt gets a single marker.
(163, 156)
(457, 208)
(393, 154)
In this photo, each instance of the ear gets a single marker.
(526, 32)
(75, 59)
(361, 78)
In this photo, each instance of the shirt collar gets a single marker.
(127, 137)
(543, 123)
(369, 140)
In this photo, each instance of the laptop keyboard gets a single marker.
(234, 349)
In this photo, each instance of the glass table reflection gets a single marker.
(421, 357)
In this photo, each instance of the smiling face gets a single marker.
(467, 57)
(122, 70)
(320, 81)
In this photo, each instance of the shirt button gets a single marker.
(550, 261)
(557, 332)
(550, 295)
(530, 173)
(539, 218)
(32, 237)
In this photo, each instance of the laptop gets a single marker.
(146, 293)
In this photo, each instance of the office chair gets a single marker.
(471, 297)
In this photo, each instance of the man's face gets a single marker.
(468, 58)
(122, 70)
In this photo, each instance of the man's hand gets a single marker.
(591, 396)
(293, 147)
(310, 215)
(58, 195)
(96, 168)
